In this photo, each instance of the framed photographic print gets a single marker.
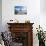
(20, 10)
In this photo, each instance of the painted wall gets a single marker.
(0, 15)
(43, 6)
(33, 14)
(43, 14)
(33, 11)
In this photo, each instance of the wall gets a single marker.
(0, 15)
(43, 14)
(33, 14)
(33, 10)
(43, 6)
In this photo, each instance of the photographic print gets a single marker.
(20, 10)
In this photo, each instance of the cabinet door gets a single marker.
(20, 37)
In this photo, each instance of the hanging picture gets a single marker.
(20, 10)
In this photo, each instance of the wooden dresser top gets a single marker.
(19, 23)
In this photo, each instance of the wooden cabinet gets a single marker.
(22, 33)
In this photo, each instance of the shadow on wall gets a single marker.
(0, 23)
